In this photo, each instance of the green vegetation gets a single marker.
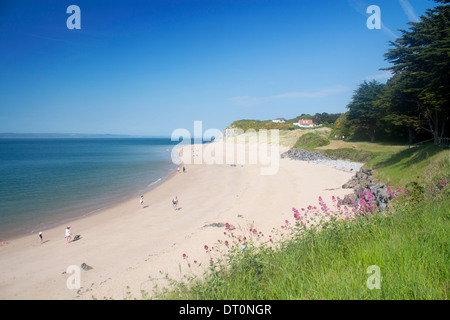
(396, 165)
(286, 138)
(414, 105)
(364, 111)
(324, 119)
(311, 141)
(409, 245)
(350, 154)
(423, 165)
(318, 258)
(261, 125)
(393, 164)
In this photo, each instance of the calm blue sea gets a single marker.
(44, 182)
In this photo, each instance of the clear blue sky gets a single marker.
(150, 67)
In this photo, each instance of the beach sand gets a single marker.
(131, 249)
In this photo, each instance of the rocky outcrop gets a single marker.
(304, 155)
(363, 180)
(319, 158)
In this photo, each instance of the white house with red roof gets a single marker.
(305, 123)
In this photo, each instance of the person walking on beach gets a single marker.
(141, 201)
(40, 236)
(175, 203)
(68, 234)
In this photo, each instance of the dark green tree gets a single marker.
(399, 101)
(365, 110)
(421, 64)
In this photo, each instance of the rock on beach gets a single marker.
(360, 182)
(363, 180)
(319, 158)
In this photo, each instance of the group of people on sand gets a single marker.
(174, 202)
(68, 233)
(67, 236)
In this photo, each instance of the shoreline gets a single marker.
(130, 248)
(80, 213)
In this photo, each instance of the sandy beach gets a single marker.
(131, 248)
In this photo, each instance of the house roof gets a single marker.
(305, 121)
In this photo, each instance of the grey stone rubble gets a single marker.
(319, 158)
(362, 181)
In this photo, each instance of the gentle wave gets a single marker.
(46, 182)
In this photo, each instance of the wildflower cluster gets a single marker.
(250, 245)
(440, 188)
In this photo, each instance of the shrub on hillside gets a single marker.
(311, 141)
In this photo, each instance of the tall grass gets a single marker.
(423, 165)
(349, 154)
(311, 141)
(396, 165)
(410, 245)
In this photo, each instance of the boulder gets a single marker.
(363, 180)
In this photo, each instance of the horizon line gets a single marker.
(13, 135)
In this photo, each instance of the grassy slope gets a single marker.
(411, 247)
(423, 164)
(287, 138)
(393, 164)
(311, 141)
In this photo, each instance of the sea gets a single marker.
(46, 182)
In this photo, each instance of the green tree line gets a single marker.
(415, 102)
(324, 118)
